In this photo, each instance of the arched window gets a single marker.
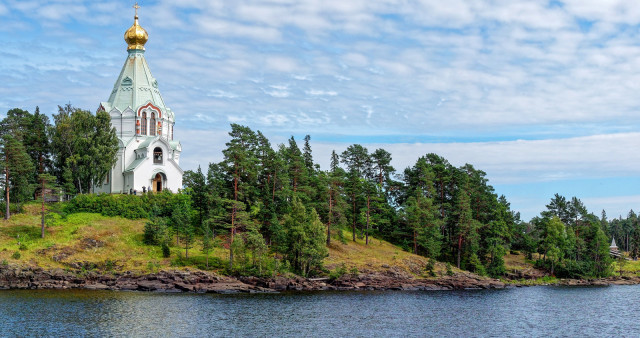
(152, 126)
(172, 132)
(144, 123)
(157, 155)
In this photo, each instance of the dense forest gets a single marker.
(432, 208)
(271, 204)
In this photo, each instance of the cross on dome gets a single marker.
(136, 36)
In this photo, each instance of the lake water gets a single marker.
(534, 311)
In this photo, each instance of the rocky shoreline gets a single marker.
(20, 277)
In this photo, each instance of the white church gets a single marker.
(149, 157)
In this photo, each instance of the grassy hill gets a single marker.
(95, 242)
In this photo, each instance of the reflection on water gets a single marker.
(536, 311)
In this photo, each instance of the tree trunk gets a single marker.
(233, 219)
(353, 226)
(42, 220)
(368, 213)
(459, 249)
(415, 243)
(330, 216)
(233, 226)
(6, 186)
(273, 193)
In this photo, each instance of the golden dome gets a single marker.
(136, 36)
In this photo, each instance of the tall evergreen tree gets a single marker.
(240, 164)
(466, 231)
(197, 182)
(17, 167)
(305, 244)
(358, 162)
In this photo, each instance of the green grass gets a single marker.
(546, 280)
(110, 244)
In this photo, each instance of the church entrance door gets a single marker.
(157, 183)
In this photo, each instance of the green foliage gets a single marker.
(109, 265)
(127, 206)
(182, 223)
(166, 251)
(576, 249)
(211, 263)
(475, 265)
(430, 267)
(155, 230)
(449, 269)
(304, 244)
(207, 241)
(17, 168)
(83, 144)
(338, 272)
(16, 255)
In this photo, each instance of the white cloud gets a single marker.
(222, 94)
(277, 91)
(221, 27)
(274, 119)
(521, 161)
(565, 77)
(316, 92)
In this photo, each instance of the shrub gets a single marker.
(109, 265)
(449, 270)
(127, 206)
(16, 255)
(214, 263)
(338, 272)
(23, 247)
(429, 268)
(166, 252)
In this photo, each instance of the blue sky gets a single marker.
(542, 96)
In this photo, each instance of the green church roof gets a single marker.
(136, 86)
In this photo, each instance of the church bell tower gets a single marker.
(148, 158)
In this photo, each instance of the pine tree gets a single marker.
(196, 181)
(466, 229)
(17, 168)
(240, 164)
(181, 219)
(358, 162)
(305, 238)
(336, 203)
(306, 154)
